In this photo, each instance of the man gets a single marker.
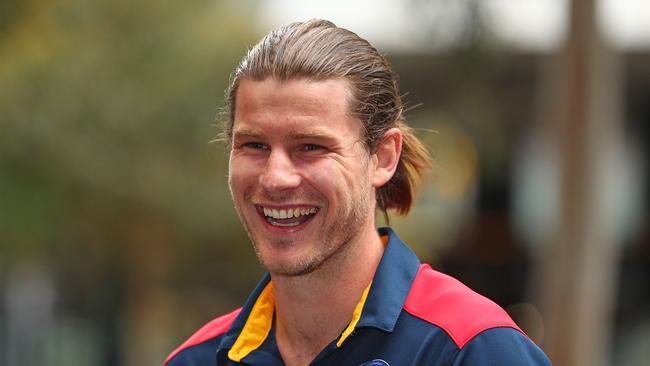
(317, 145)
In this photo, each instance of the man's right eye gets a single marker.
(256, 145)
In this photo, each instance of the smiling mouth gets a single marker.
(287, 217)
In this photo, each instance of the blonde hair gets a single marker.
(319, 50)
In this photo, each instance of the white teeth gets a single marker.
(275, 223)
(288, 213)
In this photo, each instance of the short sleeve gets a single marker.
(500, 346)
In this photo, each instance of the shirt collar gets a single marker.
(379, 307)
(391, 284)
(258, 298)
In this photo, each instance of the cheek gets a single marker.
(334, 178)
(239, 177)
(321, 174)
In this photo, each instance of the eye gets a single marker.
(312, 147)
(255, 145)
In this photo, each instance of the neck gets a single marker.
(312, 310)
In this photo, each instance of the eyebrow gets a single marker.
(318, 135)
(292, 135)
(244, 132)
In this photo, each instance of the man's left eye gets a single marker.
(312, 147)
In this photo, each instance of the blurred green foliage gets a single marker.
(106, 113)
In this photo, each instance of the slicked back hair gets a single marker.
(319, 50)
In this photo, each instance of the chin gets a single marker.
(292, 270)
(291, 267)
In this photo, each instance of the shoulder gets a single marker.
(208, 332)
(445, 302)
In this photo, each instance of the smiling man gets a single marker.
(318, 145)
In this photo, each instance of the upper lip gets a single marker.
(285, 206)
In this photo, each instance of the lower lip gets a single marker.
(284, 229)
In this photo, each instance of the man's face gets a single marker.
(299, 172)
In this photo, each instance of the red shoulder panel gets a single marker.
(445, 302)
(214, 328)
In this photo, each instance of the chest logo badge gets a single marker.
(375, 363)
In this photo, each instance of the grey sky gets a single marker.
(537, 25)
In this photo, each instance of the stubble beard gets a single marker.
(335, 240)
(349, 221)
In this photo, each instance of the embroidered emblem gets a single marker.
(375, 363)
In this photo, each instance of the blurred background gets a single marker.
(117, 234)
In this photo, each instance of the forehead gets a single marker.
(295, 103)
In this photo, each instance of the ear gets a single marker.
(386, 157)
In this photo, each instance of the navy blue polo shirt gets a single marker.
(408, 315)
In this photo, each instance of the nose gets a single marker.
(279, 173)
